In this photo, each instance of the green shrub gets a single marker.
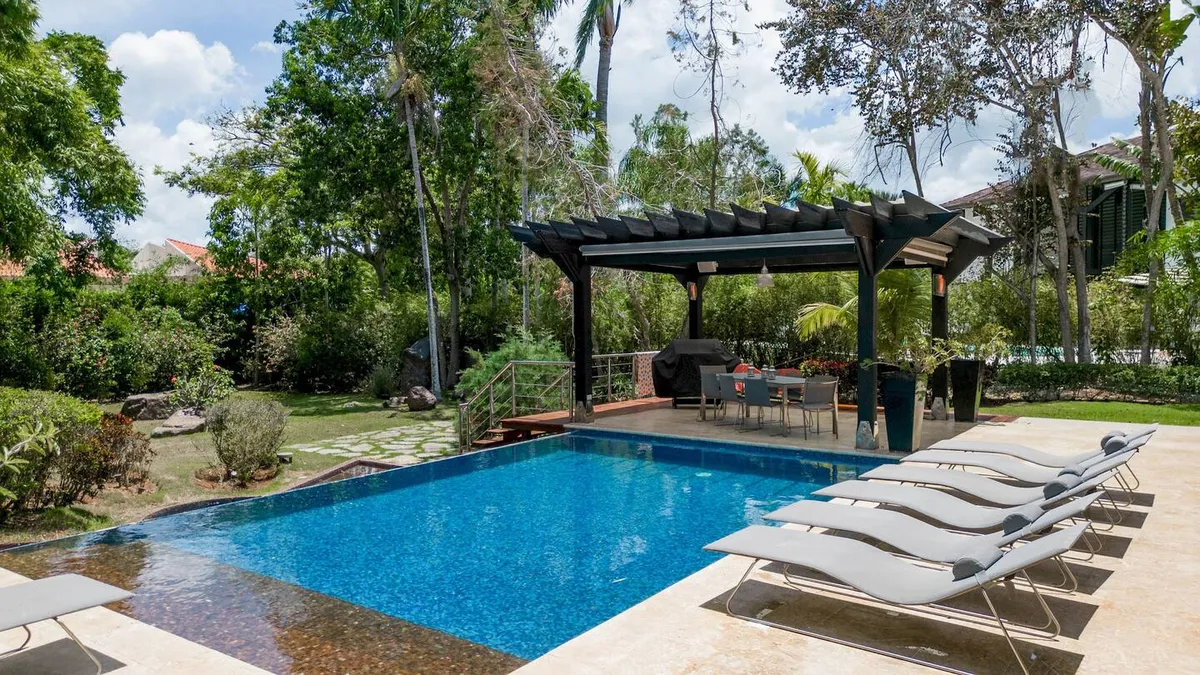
(247, 435)
(382, 382)
(517, 346)
(199, 391)
(88, 450)
(1055, 381)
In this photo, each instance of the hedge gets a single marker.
(1092, 381)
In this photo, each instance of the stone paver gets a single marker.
(405, 445)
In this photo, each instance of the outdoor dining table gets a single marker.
(783, 384)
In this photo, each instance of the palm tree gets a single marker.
(818, 183)
(904, 307)
(602, 17)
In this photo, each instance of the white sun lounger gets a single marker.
(917, 537)
(48, 599)
(1010, 466)
(1112, 442)
(889, 579)
(946, 508)
(991, 490)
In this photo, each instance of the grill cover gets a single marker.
(677, 368)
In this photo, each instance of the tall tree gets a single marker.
(59, 111)
(1151, 37)
(898, 62)
(602, 18)
(1024, 54)
(703, 37)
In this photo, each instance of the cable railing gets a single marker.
(523, 388)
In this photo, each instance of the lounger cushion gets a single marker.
(1115, 433)
(1114, 445)
(975, 561)
(1060, 485)
(1021, 518)
(1072, 470)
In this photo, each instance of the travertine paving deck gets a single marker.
(1138, 610)
(123, 646)
(403, 445)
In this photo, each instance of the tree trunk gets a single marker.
(714, 108)
(1166, 152)
(639, 312)
(1154, 191)
(608, 32)
(1082, 309)
(454, 358)
(910, 149)
(435, 361)
(1033, 337)
(1061, 281)
(524, 217)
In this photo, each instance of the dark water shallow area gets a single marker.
(474, 564)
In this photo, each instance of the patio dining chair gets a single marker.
(820, 395)
(758, 395)
(728, 395)
(710, 389)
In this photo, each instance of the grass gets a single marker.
(313, 418)
(1183, 414)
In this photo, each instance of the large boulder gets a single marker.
(185, 421)
(420, 398)
(414, 370)
(148, 406)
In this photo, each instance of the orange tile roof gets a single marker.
(200, 255)
(11, 269)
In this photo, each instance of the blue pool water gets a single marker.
(520, 548)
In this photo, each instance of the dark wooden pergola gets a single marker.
(868, 238)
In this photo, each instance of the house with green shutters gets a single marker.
(1111, 208)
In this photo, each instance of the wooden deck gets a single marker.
(557, 421)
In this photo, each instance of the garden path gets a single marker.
(402, 445)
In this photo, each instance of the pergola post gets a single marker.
(939, 329)
(581, 286)
(868, 378)
(695, 291)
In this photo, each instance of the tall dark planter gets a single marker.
(966, 382)
(903, 395)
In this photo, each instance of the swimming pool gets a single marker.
(517, 549)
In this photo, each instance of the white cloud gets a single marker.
(171, 71)
(266, 47)
(170, 212)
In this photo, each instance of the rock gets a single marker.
(420, 398)
(185, 421)
(351, 404)
(148, 406)
(393, 402)
(937, 411)
(414, 367)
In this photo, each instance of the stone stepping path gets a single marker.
(409, 444)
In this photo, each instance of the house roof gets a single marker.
(11, 269)
(200, 255)
(1090, 172)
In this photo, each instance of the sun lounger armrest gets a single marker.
(1036, 551)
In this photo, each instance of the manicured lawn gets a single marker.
(313, 418)
(1185, 414)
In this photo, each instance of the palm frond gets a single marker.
(818, 316)
(592, 13)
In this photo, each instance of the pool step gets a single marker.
(494, 438)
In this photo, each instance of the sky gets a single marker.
(185, 60)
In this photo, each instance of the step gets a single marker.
(485, 443)
(507, 434)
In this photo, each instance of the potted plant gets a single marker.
(966, 374)
(902, 390)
